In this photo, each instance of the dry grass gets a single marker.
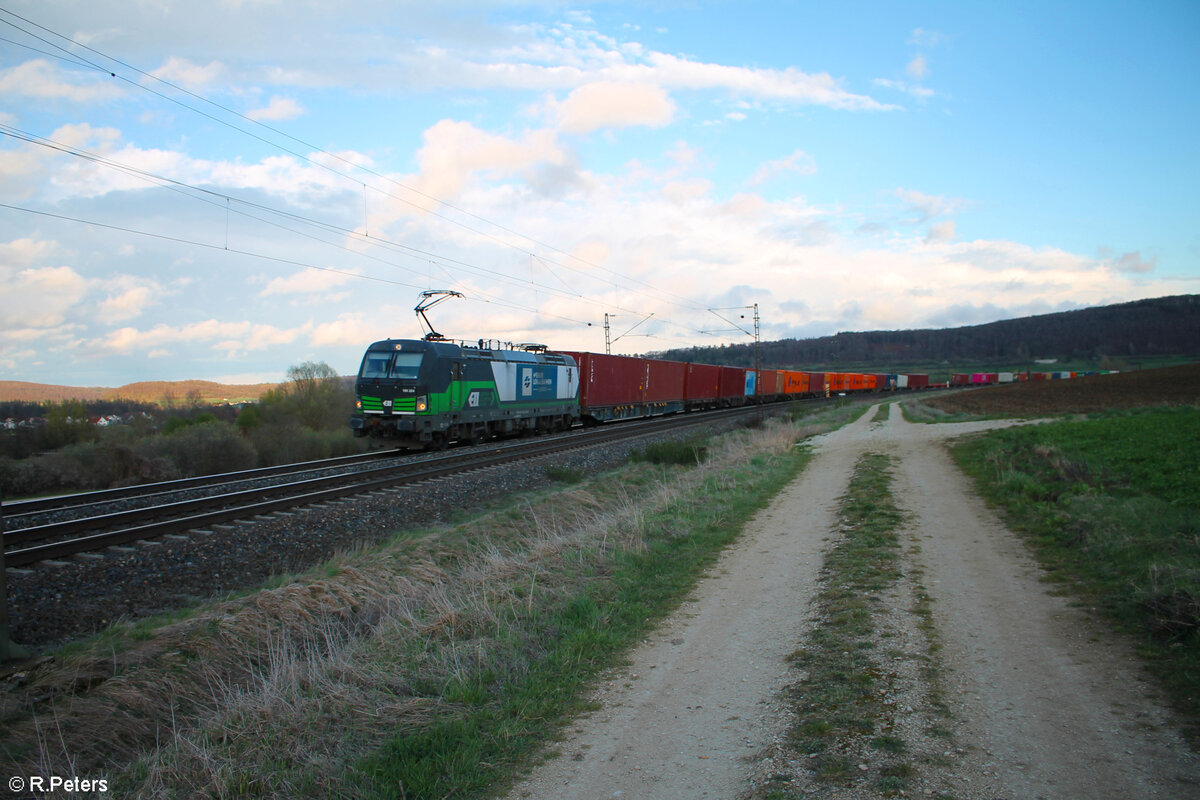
(306, 677)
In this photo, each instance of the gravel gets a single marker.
(59, 602)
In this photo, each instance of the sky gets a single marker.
(223, 190)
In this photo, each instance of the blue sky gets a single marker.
(223, 190)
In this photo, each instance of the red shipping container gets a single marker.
(702, 382)
(768, 382)
(817, 383)
(606, 380)
(918, 381)
(733, 384)
(663, 380)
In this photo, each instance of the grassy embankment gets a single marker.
(430, 667)
(1111, 505)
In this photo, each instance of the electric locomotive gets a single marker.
(425, 394)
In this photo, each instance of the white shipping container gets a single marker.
(1006, 377)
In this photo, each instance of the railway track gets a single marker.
(83, 531)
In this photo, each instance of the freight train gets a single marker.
(424, 394)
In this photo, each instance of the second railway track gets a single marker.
(26, 545)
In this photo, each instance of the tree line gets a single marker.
(1165, 326)
(302, 419)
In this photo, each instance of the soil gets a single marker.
(1031, 697)
(1084, 395)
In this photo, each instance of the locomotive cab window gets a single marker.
(407, 365)
(386, 364)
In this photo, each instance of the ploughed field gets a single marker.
(1167, 386)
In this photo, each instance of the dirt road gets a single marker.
(1043, 702)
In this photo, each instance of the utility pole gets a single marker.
(757, 333)
(608, 340)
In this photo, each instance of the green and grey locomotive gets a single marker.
(426, 394)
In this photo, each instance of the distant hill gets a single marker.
(163, 393)
(1165, 326)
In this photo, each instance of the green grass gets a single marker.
(1112, 506)
(565, 474)
(916, 411)
(557, 649)
(686, 452)
(434, 665)
(838, 703)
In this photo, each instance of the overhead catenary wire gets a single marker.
(79, 60)
(225, 201)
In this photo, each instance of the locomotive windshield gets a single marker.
(390, 364)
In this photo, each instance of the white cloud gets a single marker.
(915, 90)
(40, 297)
(455, 151)
(606, 104)
(926, 206)
(798, 162)
(23, 253)
(188, 74)
(787, 84)
(127, 297)
(347, 330)
(1133, 262)
(941, 231)
(232, 338)
(280, 108)
(925, 38)
(307, 281)
(918, 68)
(42, 80)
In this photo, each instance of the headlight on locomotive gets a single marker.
(422, 404)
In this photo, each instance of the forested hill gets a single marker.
(1165, 326)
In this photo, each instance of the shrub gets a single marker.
(288, 443)
(686, 453)
(202, 449)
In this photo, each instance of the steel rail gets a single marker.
(75, 500)
(250, 503)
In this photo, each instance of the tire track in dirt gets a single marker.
(1046, 704)
(700, 697)
(1049, 702)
